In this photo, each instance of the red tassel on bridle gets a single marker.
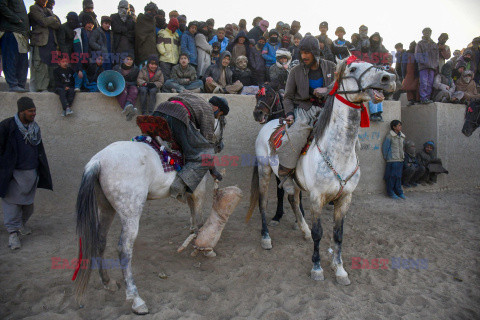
(364, 119)
(80, 255)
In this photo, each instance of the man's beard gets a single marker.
(123, 14)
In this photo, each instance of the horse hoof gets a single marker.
(308, 237)
(210, 254)
(317, 275)
(273, 223)
(344, 281)
(140, 309)
(267, 244)
(112, 286)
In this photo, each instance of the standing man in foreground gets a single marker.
(23, 168)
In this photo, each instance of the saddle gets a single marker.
(157, 127)
(275, 140)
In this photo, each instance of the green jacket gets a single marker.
(41, 19)
(14, 17)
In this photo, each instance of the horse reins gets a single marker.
(273, 104)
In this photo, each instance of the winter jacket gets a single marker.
(65, 38)
(144, 78)
(215, 70)
(130, 75)
(204, 49)
(93, 71)
(269, 53)
(145, 38)
(328, 42)
(9, 154)
(188, 46)
(295, 51)
(426, 54)
(392, 147)
(256, 63)
(223, 44)
(167, 46)
(41, 21)
(123, 34)
(83, 14)
(11, 13)
(64, 77)
(278, 74)
(98, 41)
(256, 33)
(81, 50)
(340, 48)
(297, 89)
(244, 76)
(410, 161)
(183, 76)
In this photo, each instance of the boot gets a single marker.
(286, 181)
(178, 189)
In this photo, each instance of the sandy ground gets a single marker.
(246, 282)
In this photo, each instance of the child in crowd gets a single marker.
(215, 52)
(65, 85)
(149, 81)
(392, 149)
(127, 98)
(433, 165)
(93, 71)
(412, 170)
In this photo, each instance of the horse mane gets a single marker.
(322, 123)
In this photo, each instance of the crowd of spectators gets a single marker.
(171, 54)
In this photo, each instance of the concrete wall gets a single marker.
(443, 123)
(70, 142)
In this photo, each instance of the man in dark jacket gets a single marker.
(257, 32)
(23, 168)
(66, 34)
(427, 56)
(192, 121)
(101, 43)
(14, 29)
(323, 28)
(88, 11)
(218, 77)
(378, 54)
(257, 62)
(145, 35)
(123, 28)
(306, 86)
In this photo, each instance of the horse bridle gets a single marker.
(358, 80)
(270, 107)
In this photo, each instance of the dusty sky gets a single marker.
(397, 21)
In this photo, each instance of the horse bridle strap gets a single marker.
(274, 102)
(364, 119)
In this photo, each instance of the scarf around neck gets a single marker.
(31, 132)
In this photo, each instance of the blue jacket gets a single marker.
(269, 54)
(223, 44)
(187, 45)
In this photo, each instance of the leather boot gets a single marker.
(178, 189)
(286, 181)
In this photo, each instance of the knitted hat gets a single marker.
(106, 19)
(87, 4)
(25, 103)
(123, 4)
(221, 103)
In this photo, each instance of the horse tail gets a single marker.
(254, 192)
(87, 226)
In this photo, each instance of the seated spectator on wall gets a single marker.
(150, 81)
(459, 69)
(241, 73)
(392, 150)
(183, 78)
(127, 98)
(467, 85)
(278, 73)
(433, 166)
(92, 72)
(444, 86)
(220, 37)
(218, 77)
(412, 170)
(239, 47)
(467, 61)
(65, 85)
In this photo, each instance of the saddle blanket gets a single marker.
(171, 161)
(275, 140)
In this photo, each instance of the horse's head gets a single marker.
(362, 81)
(472, 118)
(267, 99)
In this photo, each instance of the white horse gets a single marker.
(120, 179)
(329, 170)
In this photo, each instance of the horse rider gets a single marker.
(192, 122)
(305, 94)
